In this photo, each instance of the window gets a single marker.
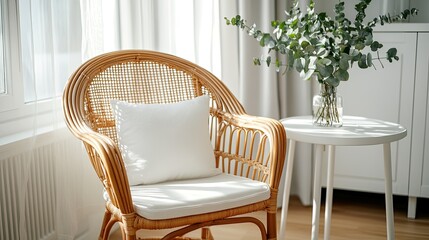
(40, 48)
(51, 46)
(10, 84)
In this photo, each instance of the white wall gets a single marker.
(423, 6)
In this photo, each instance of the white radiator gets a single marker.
(48, 190)
(27, 195)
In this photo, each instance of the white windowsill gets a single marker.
(28, 140)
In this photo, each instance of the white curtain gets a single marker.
(50, 52)
(256, 87)
(185, 28)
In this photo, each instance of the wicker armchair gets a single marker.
(247, 146)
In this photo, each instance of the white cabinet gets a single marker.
(419, 168)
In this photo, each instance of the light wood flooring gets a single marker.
(354, 216)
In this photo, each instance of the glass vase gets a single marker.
(327, 107)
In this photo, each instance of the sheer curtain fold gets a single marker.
(52, 186)
(185, 28)
(260, 89)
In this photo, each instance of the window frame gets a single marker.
(14, 96)
(18, 119)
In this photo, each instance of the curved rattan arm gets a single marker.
(103, 151)
(276, 134)
(268, 128)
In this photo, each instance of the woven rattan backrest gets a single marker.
(146, 77)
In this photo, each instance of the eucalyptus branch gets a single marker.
(316, 45)
(386, 18)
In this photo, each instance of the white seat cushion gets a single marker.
(196, 196)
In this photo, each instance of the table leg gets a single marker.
(316, 192)
(329, 190)
(388, 194)
(286, 189)
(412, 206)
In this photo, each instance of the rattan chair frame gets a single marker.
(244, 145)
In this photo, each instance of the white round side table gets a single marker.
(355, 131)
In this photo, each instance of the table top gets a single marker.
(355, 131)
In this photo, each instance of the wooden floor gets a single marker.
(354, 216)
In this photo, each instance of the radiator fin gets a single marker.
(27, 189)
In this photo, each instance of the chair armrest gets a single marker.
(250, 146)
(109, 166)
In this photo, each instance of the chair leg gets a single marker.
(106, 220)
(271, 226)
(206, 234)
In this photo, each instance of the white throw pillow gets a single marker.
(162, 142)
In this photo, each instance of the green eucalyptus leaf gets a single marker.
(268, 61)
(391, 53)
(293, 44)
(265, 40)
(322, 52)
(345, 56)
(274, 24)
(324, 70)
(256, 61)
(368, 39)
(360, 46)
(324, 61)
(375, 46)
(310, 49)
(354, 52)
(298, 65)
(362, 62)
(357, 57)
(278, 63)
(304, 44)
(332, 81)
(344, 63)
(341, 75)
(282, 48)
(369, 59)
(227, 21)
(339, 7)
(289, 59)
(298, 54)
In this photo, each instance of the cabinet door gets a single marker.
(419, 172)
(384, 93)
